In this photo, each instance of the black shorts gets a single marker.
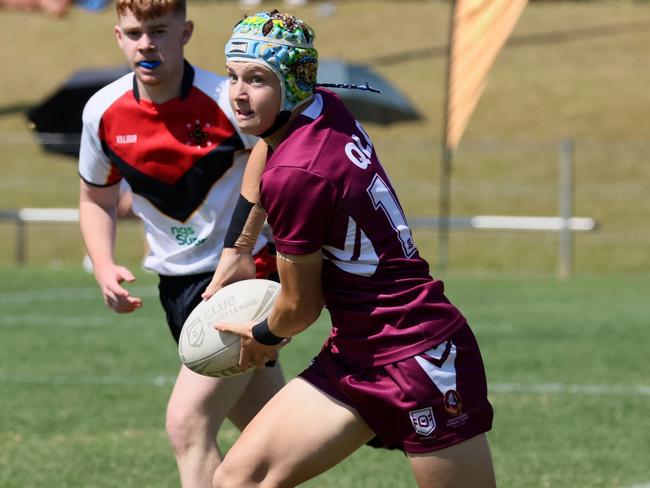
(179, 295)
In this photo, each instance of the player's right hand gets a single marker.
(251, 352)
(116, 297)
(234, 265)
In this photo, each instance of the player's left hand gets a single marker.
(251, 351)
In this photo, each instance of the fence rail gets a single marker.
(506, 222)
(565, 226)
(23, 216)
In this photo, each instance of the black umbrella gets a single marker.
(389, 106)
(57, 120)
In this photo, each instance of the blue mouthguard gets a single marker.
(149, 64)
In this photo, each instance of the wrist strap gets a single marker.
(263, 335)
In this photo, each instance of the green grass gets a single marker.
(84, 390)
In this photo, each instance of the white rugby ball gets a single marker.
(209, 352)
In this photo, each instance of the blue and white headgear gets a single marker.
(282, 43)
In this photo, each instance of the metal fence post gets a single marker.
(565, 265)
(21, 231)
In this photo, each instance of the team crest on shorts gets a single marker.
(423, 421)
(453, 402)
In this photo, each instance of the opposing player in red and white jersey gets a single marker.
(400, 362)
(168, 130)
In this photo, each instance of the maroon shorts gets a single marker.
(421, 404)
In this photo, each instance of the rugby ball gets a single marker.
(210, 352)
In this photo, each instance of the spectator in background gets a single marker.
(55, 8)
(168, 130)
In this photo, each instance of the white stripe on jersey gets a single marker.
(315, 108)
(363, 265)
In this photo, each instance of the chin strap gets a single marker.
(284, 115)
(280, 120)
(364, 87)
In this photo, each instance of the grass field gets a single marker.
(84, 390)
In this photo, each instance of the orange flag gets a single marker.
(479, 30)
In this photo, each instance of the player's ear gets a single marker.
(188, 29)
(118, 35)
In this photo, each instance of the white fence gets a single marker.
(566, 226)
(24, 216)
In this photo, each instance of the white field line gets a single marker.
(86, 380)
(563, 389)
(17, 297)
(501, 388)
(60, 321)
(63, 294)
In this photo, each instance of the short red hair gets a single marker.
(150, 9)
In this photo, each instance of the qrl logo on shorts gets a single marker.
(423, 421)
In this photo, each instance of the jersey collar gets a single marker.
(186, 82)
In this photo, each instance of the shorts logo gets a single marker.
(453, 402)
(423, 421)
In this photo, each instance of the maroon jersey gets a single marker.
(324, 189)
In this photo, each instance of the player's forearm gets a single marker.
(290, 317)
(250, 188)
(98, 233)
(301, 299)
(97, 225)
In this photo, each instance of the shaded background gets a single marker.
(569, 70)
